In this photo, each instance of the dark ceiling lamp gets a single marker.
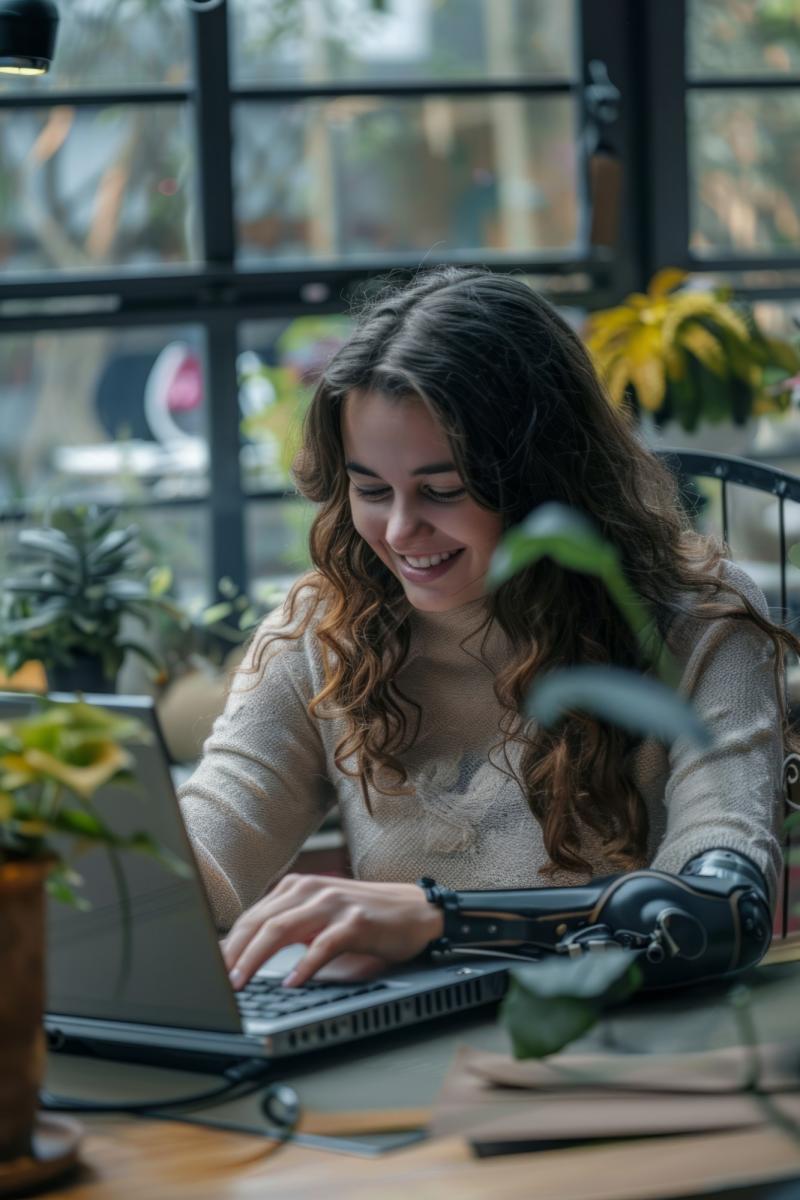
(27, 36)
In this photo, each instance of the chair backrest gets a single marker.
(777, 487)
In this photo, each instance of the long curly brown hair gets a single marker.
(528, 421)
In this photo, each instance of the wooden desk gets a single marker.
(166, 1160)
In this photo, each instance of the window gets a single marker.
(190, 199)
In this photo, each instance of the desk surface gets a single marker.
(126, 1157)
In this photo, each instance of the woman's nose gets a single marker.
(404, 521)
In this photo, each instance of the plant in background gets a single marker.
(80, 578)
(686, 355)
(203, 635)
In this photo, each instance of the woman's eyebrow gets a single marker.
(439, 468)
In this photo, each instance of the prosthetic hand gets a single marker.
(712, 919)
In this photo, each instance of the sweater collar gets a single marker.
(439, 635)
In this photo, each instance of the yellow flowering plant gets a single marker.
(53, 761)
(687, 355)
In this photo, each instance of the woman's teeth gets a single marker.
(427, 561)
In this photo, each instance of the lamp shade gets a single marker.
(27, 36)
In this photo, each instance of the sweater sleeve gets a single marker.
(728, 795)
(261, 786)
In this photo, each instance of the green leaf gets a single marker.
(43, 619)
(567, 537)
(51, 542)
(551, 1003)
(637, 703)
(112, 543)
(128, 589)
(557, 532)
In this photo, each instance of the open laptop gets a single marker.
(176, 995)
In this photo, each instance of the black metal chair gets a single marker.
(780, 487)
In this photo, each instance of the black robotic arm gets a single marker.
(711, 920)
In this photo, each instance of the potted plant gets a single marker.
(200, 653)
(81, 577)
(686, 355)
(52, 763)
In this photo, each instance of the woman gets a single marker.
(392, 681)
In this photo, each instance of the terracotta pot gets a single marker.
(22, 939)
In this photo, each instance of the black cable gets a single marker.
(246, 1078)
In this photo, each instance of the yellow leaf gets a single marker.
(611, 320)
(617, 379)
(705, 347)
(6, 806)
(650, 383)
(665, 281)
(701, 304)
(85, 780)
(645, 344)
(32, 828)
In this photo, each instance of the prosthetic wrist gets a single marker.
(712, 919)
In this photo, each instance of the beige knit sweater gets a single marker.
(267, 776)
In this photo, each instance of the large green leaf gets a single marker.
(557, 532)
(640, 704)
(567, 537)
(551, 1003)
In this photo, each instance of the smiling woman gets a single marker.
(393, 681)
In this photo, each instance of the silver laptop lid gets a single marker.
(176, 974)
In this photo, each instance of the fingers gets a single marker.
(345, 935)
(268, 936)
(287, 896)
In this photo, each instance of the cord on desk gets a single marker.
(243, 1078)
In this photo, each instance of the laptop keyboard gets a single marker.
(267, 999)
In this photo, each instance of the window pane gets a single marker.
(115, 43)
(321, 40)
(92, 188)
(279, 364)
(107, 415)
(748, 37)
(363, 175)
(744, 161)
(179, 537)
(276, 538)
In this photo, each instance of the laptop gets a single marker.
(176, 995)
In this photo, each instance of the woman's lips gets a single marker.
(426, 574)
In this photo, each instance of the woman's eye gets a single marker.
(445, 496)
(372, 493)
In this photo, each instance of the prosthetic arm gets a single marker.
(712, 919)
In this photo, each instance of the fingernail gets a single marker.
(291, 979)
(235, 977)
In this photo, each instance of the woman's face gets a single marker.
(408, 502)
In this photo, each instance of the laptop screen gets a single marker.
(175, 974)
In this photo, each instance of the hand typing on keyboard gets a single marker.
(388, 921)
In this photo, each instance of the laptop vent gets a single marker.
(394, 1013)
